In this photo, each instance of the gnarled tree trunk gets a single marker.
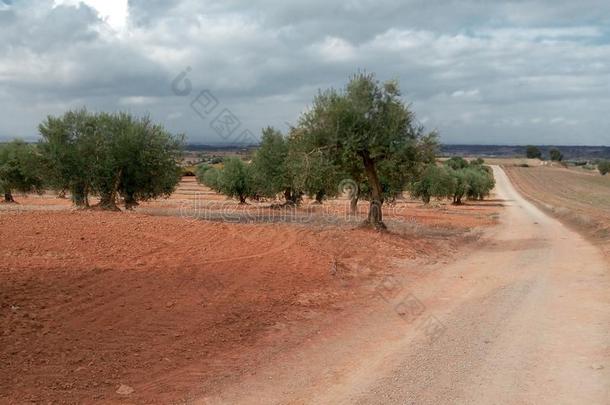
(8, 197)
(79, 196)
(108, 198)
(375, 218)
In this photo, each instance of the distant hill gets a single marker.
(569, 152)
(195, 147)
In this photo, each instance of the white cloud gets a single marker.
(335, 49)
(114, 12)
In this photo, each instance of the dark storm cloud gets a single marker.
(493, 72)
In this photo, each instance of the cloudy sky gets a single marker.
(479, 71)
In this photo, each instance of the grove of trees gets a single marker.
(456, 179)
(112, 156)
(362, 139)
(364, 134)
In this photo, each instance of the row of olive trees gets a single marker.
(281, 166)
(112, 156)
(363, 137)
(456, 179)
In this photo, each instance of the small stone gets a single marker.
(597, 367)
(125, 390)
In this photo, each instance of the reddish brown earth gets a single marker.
(175, 308)
(132, 308)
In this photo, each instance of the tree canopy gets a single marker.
(20, 169)
(371, 135)
(533, 152)
(556, 155)
(110, 155)
(235, 179)
(454, 180)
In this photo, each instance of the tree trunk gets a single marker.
(353, 204)
(79, 196)
(319, 197)
(8, 197)
(291, 197)
(288, 195)
(108, 202)
(130, 202)
(242, 199)
(375, 218)
(108, 199)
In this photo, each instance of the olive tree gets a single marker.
(20, 169)
(556, 155)
(434, 181)
(235, 179)
(312, 170)
(110, 155)
(273, 168)
(145, 159)
(367, 122)
(533, 152)
(210, 177)
(457, 163)
(68, 149)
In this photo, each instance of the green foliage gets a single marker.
(110, 155)
(480, 182)
(533, 152)
(370, 135)
(69, 151)
(474, 181)
(434, 181)
(555, 155)
(276, 167)
(461, 185)
(20, 169)
(210, 178)
(477, 162)
(604, 167)
(146, 158)
(312, 170)
(235, 179)
(189, 171)
(456, 163)
(200, 171)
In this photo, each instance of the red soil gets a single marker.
(172, 307)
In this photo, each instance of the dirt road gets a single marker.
(524, 319)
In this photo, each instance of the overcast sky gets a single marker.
(490, 72)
